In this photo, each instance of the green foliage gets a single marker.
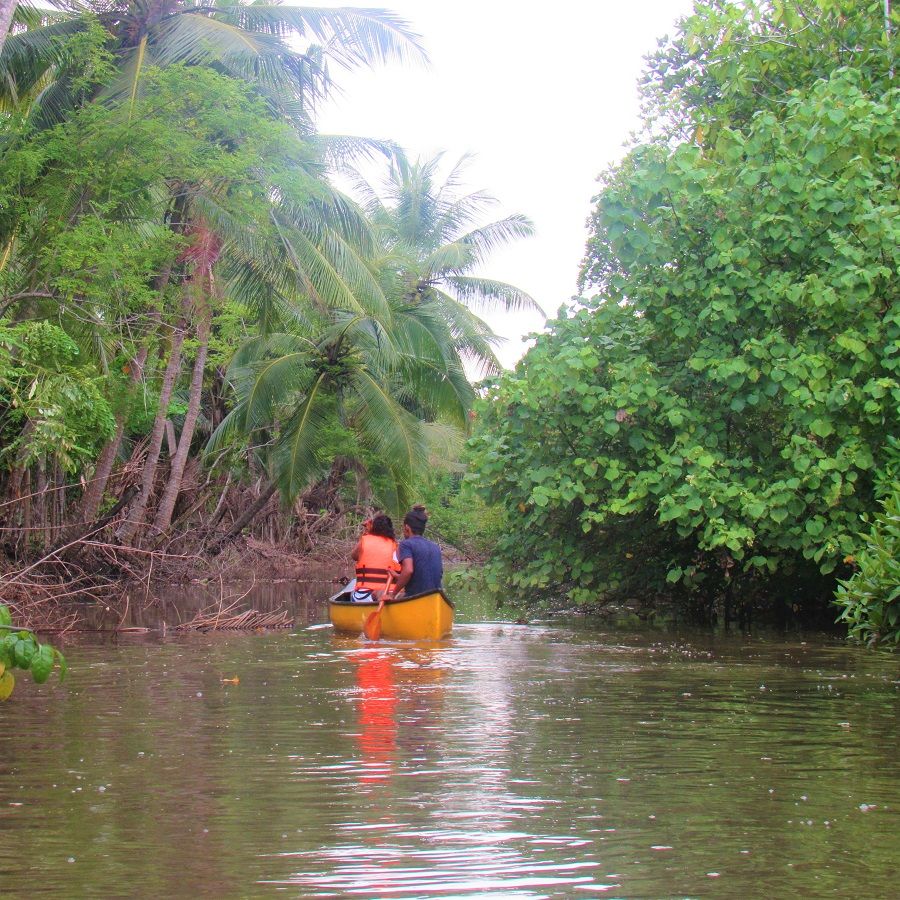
(459, 515)
(87, 212)
(733, 59)
(379, 360)
(50, 404)
(59, 61)
(870, 599)
(160, 179)
(20, 649)
(712, 419)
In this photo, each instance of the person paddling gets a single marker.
(421, 568)
(376, 558)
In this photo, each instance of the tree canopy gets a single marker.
(181, 285)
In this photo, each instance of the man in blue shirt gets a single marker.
(421, 569)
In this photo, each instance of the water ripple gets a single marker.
(508, 761)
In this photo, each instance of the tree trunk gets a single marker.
(171, 441)
(92, 498)
(173, 486)
(248, 516)
(26, 512)
(7, 9)
(40, 503)
(138, 509)
(58, 506)
(217, 406)
(87, 509)
(220, 506)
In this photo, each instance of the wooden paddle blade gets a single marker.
(372, 626)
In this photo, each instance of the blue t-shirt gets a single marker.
(428, 570)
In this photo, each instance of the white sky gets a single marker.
(545, 97)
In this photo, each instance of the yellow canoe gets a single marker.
(421, 617)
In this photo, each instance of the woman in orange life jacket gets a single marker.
(376, 558)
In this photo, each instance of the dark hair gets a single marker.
(417, 519)
(382, 526)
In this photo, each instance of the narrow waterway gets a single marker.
(522, 761)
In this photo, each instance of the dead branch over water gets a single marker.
(219, 618)
(53, 579)
(54, 595)
(222, 617)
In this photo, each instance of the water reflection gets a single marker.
(505, 762)
(468, 843)
(377, 720)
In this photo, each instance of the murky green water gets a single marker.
(508, 761)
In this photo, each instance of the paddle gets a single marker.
(372, 626)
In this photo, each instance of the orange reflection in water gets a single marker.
(377, 713)
(399, 691)
(399, 701)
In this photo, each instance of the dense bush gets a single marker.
(711, 421)
(459, 516)
(870, 600)
(50, 402)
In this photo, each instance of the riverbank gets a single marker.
(103, 586)
(58, 592)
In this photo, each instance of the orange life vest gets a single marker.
(376, 561)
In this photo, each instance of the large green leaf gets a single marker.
(384, 425)
(488, 293)
(295, 454)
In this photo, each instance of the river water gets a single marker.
(513, 761)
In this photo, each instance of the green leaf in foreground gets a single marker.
(7, 683)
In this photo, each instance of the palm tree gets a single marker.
(390, 373)
(355, 369)
(313, 236)
(295, 256)
(252, 42)
(430, 243)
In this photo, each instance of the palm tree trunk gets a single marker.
(7, 9)
(220, 506)
(138, 509)
(87, 509)
(176, 473)
(96, 488)
(249, 515)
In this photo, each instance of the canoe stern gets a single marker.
(427, 616)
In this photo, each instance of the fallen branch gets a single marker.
(216, 619)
